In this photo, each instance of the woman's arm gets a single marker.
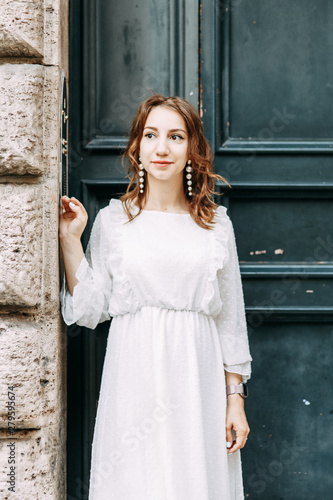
(231, 321)
(236, 419)
(72, 252)
(232, 330)
(71, 226)
(87, 281)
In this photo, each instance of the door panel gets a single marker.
(289, 451)
(294, 224)
(266, 95)
(131, 49)
(260, 74)
(270, 77)
(288, 70)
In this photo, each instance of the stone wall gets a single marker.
(33, 57)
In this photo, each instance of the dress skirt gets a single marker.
(160, 425)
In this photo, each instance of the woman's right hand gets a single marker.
(73, 220)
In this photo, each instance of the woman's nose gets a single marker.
(162, 146)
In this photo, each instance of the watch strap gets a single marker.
(237, 389)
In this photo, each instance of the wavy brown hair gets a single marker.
(200, 204)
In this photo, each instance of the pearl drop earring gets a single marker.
(189, 177)
(141, 174)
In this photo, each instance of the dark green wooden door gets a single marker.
(261, 75)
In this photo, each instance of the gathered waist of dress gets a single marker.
(163, 308)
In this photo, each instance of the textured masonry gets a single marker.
(21, 219)
(33, 53)
(21, 104)
(32, 373)
(22, 32)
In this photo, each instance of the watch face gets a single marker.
(246, 391)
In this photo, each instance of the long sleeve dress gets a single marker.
(174, 293)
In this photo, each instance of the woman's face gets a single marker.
(164, 144)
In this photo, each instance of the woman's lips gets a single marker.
(162, 163)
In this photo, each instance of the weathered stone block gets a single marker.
(39, 468)
(31, 29)
(31, 356)
(51, 119)
(21, 222)
(22, 380)
(22, 28)
(50, 288)
(21, 119)
(32, 375)
(52, 43)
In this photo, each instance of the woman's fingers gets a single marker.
(74, 218)
(65, 203)
(240, 442)
(74, 205)
(229, 437)
(237, 428)
(78, 203)
(241, 438)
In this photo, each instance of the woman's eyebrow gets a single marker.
(171, 130)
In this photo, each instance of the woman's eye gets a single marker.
(174, 137)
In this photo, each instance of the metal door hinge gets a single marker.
(63, 177)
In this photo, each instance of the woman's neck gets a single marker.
(166, 197)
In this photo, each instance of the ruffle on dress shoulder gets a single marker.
(124, 300)
(212, 302)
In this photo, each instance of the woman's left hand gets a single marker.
(236, 420)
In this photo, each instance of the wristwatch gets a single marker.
(240, 389)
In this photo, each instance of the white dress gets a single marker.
(175, 295)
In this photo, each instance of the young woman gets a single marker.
(162, 263)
